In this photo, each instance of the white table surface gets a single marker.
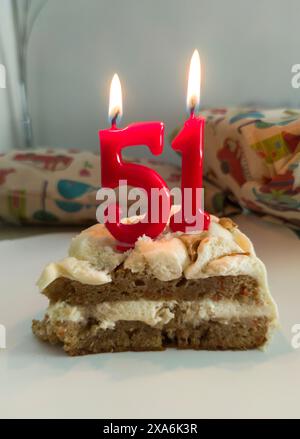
(38, 380)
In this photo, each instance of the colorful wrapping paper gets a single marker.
(52, 186)
(252, 157)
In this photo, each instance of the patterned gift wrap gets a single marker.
(52, 186)
(252, 157)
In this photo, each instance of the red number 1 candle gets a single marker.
(190, 142)
(114, 170)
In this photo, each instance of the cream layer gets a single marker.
(157, 313)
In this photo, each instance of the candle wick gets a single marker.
(192, 112)
(193, 106)
(114, 120)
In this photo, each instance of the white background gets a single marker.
(247, 50)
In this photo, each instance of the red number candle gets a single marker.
(190, 142)
(114, 169)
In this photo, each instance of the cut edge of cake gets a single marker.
(203, 290)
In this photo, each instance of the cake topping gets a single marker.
(192, 243)
(210, 248)
(165, 258)
(228, 224)
(73, 269)
(97, 246)
(93, 255)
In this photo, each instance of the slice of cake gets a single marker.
(198, 291)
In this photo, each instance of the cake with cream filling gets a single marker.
(203, 290)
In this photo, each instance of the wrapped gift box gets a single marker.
(53, 186)
(254, 156)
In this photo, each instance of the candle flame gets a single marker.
(194, 82)
(115, 110)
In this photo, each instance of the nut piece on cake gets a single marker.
(204, 291)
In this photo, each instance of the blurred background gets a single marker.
(74, 47)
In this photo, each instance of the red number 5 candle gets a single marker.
(190, 142)
(114, 169)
